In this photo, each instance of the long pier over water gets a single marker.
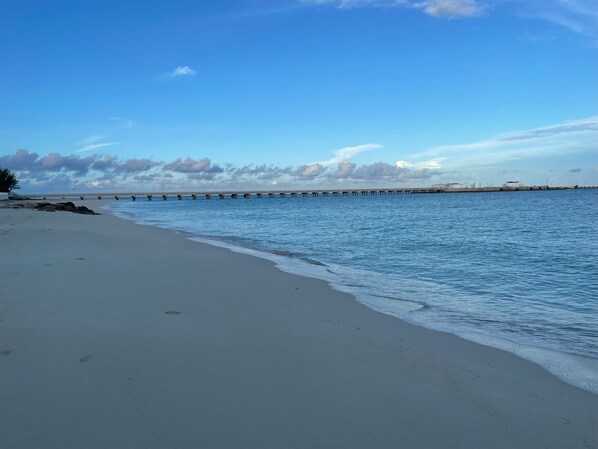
(283, 193)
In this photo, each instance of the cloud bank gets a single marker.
(97, 173)
(104, 173)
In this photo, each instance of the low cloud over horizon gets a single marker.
(102, 173)
(486, 160)
(572, 137)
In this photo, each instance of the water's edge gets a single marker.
(575, 370)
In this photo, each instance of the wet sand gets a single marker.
(116, 335)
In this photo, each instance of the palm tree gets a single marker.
(8, 180)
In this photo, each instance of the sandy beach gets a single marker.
(117, 335)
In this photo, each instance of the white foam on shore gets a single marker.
(576, 370)
(572, 369)
(300, 267)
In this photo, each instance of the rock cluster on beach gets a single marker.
(68, 207)
(52, 207)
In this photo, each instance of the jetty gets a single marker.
(284, 193)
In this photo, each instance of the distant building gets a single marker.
(512, 184)
(449, 185)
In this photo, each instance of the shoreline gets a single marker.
(289, 362)
(574, 369)
(554, 362)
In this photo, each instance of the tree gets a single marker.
(8, 180)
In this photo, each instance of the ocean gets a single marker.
(513, 270)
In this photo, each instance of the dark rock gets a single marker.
(66, 207)
(85, 210)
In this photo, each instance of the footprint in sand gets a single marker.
(172, 312)
(85, 358)
(5, 352)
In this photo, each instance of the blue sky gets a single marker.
(113, 95)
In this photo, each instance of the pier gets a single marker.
(284, 193)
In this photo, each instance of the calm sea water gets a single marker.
(514, 270)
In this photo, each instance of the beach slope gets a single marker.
(117, 335)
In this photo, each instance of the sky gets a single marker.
(108, 96)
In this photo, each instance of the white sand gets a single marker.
(256, 358)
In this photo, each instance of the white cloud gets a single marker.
(431, 164)
(91, 139)
(435, 8)
(578, 16)
(348, 4)
(95, 147)
(189, 165)
(183, 70)
(344, 154)
(126, 123)
(450, 8)
(344, 170)
(92, 143)
(565, 138)
(310, 171)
